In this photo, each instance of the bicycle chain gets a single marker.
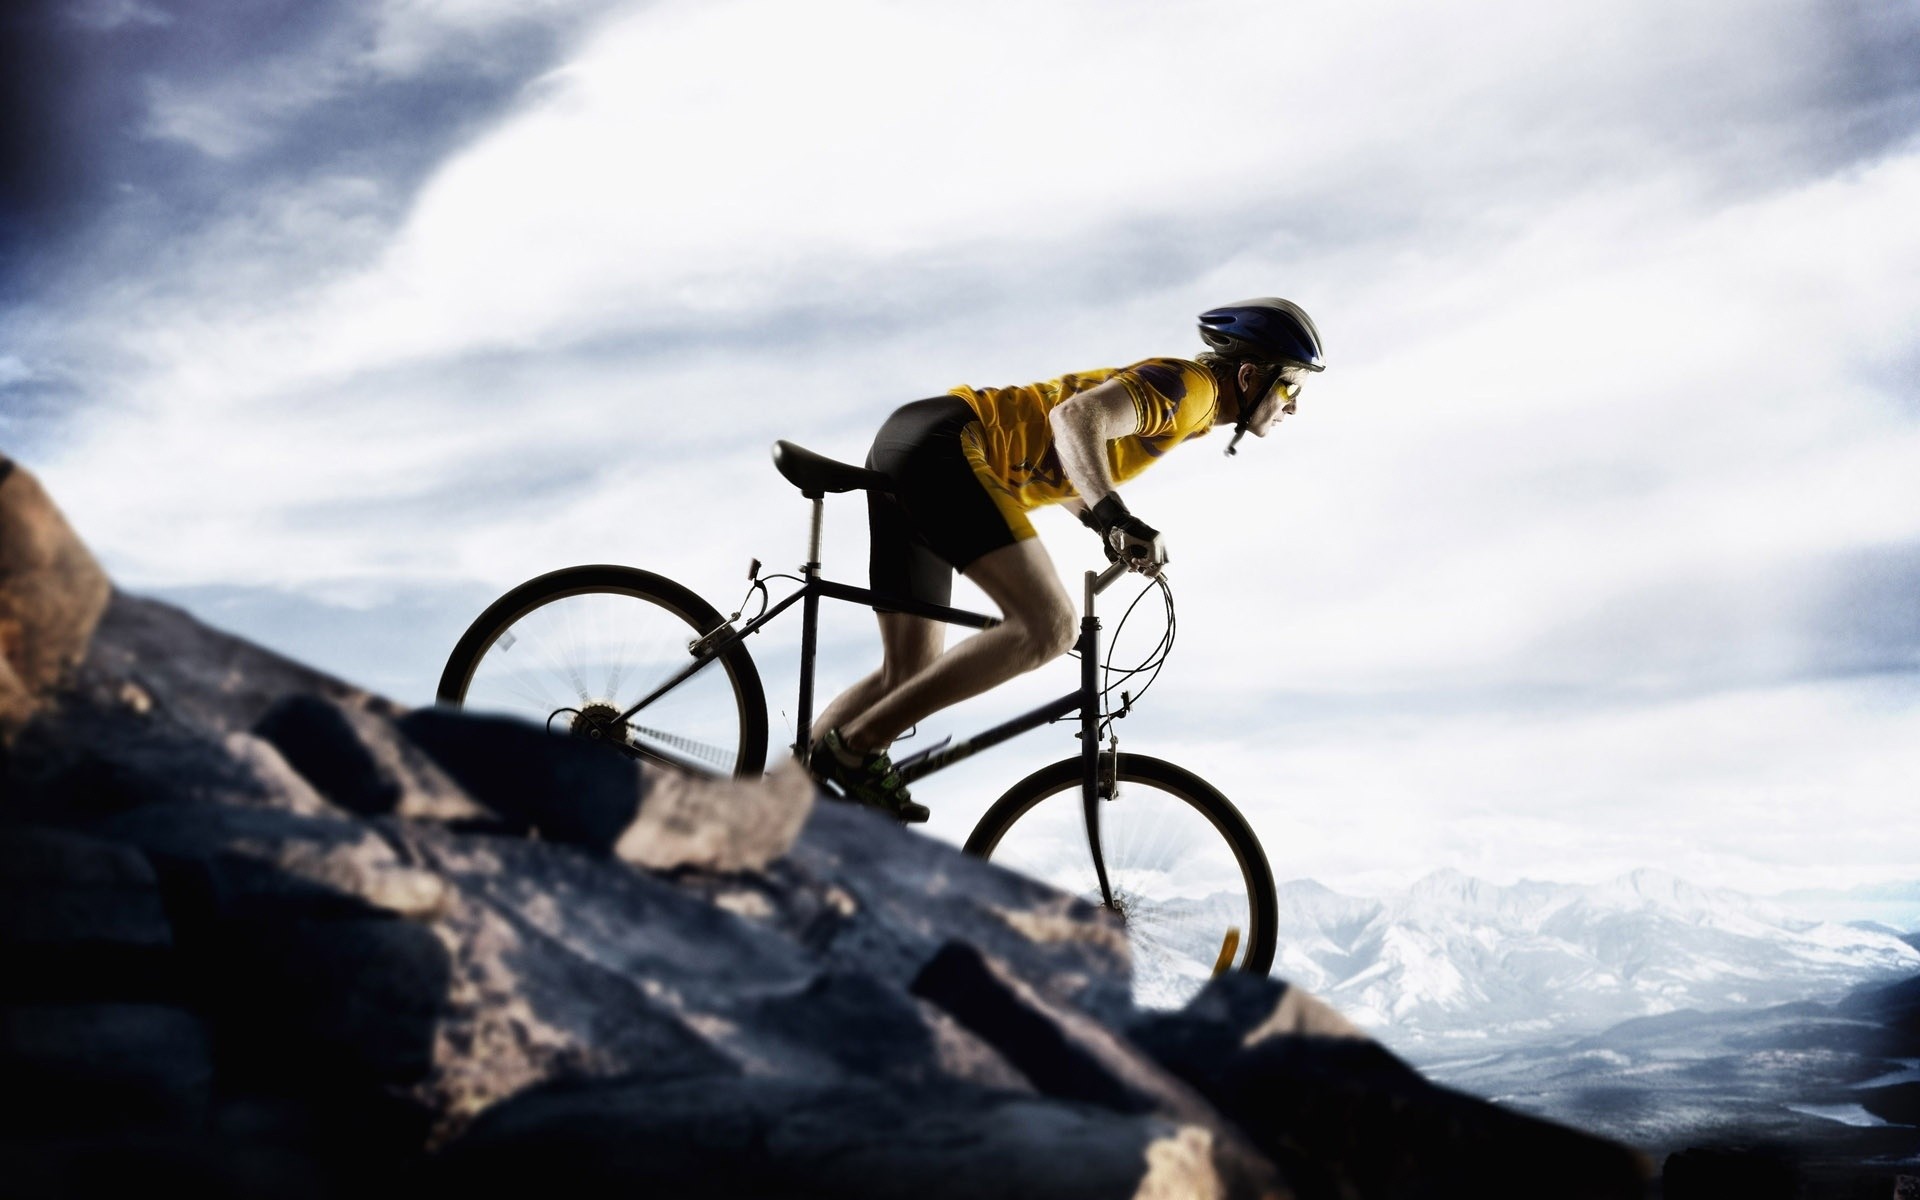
(713, 754)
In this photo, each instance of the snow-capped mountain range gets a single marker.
(1455, 961)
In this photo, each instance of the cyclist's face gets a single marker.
(1279, 402)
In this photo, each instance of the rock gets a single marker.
(51, 596)
(69, 1069)
(1251, 1011)
(568, 964)
(153, 659)
(568, 789)
(80, 760)
(177, 1163)
(1060, 1051)
(717, 824)
(883, 900)
(746, 1138)
(292, 930)
(329, 999)
(80, 919)
(1066, 1054)
(359, 761)
(1342, 1116)
(245, 859)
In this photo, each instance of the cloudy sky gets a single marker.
(1596, 547)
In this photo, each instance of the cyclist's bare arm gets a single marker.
(1082, 426)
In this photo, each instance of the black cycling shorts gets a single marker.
(940, 517)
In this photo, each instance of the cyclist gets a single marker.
(968, 466)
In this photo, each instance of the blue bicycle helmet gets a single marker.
(1266, 330)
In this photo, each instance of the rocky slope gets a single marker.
(262, 932)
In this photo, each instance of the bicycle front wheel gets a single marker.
(574, 649)
(1187, 874)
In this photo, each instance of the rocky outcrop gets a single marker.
(51, 595)
(262, 932)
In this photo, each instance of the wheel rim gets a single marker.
(575, 662)
(1184, 894)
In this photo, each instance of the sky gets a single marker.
(1596, 547)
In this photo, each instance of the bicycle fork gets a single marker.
(1089, 650)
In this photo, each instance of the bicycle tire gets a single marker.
(1186, 807)
(743, 731)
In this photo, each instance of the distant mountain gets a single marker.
(1834, 1087)
(1456, 961)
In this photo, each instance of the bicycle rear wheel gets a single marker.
(574, 648)
(1188, 876)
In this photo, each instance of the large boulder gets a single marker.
(52, 593)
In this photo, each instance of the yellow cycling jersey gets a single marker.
(1012, 449)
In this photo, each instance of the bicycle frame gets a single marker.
(1085, 699)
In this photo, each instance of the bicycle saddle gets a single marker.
(815, 474)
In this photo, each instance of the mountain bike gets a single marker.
(634, 660)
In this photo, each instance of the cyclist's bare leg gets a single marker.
(908, 644)
(1038, 624)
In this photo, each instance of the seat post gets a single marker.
(809, 627)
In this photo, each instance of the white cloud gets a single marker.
(721, 157)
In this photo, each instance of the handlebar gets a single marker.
(1100, 581)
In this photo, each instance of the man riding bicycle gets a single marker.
(966, 469)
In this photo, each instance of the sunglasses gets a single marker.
(1286, 389)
